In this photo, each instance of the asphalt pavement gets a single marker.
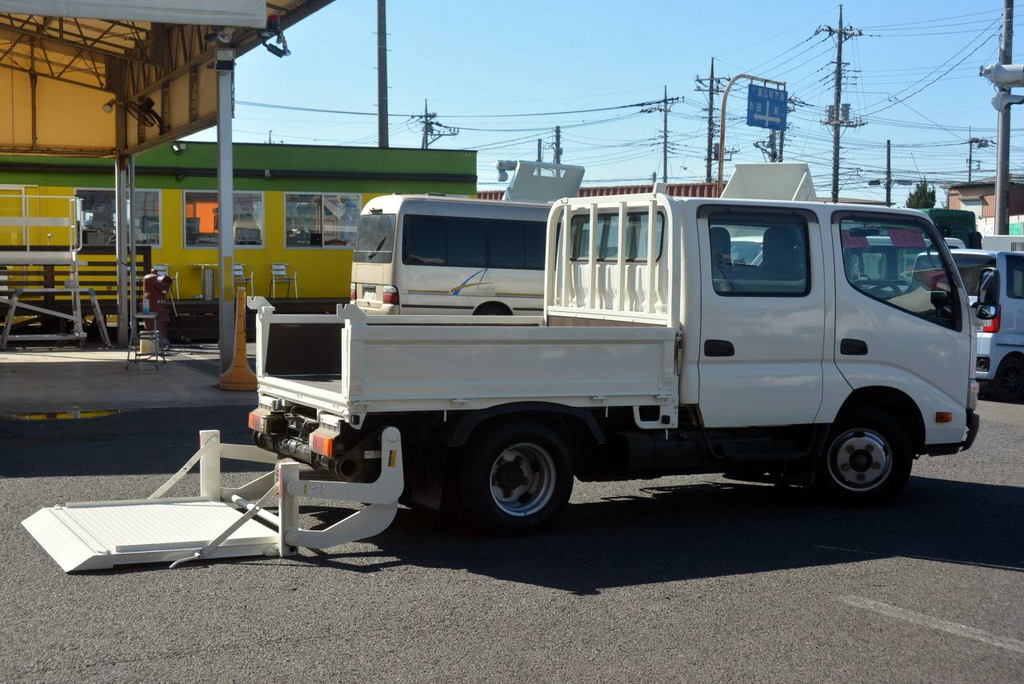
(682, 578)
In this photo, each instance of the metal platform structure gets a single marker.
(28, 222)
(222, 522)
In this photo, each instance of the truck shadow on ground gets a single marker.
(128, 443)
(711, 529)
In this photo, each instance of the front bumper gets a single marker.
(973, 426)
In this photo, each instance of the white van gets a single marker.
(1000, 356)
(422, 254)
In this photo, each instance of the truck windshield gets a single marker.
(375, 239)
(971, 267)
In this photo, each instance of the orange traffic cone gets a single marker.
(238, 376)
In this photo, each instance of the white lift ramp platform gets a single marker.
(221, 522)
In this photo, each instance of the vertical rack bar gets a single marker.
(592, 260)
(620, 291)
(566, 257)
(652, 213)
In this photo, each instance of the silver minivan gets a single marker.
(997, 278)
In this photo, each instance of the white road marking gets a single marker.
(935, 623)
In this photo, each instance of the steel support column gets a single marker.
(121, 228)
(225, 66)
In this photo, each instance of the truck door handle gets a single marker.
(853, 347)
(718, 348)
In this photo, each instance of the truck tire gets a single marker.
(514, 478)
(867, 458)
(1008, 384)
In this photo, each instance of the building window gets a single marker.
(321, 220)
(201, 213)
(99, 217)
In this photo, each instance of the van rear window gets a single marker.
(375, 239)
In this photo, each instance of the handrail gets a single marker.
(34, 211)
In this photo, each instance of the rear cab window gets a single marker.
(607, 240)
(758, 254)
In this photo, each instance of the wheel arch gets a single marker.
(499, 309)
(896, 403)
(553, 415)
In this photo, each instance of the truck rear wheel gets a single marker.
(514, 478)
(867, 459)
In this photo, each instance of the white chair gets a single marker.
(279, 274)
(240, 278)
(162, 269)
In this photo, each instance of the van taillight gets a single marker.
(389, 294)
(352, 291)
(992, 325)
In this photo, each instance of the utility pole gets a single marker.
(839, 114)
(790, 108)
(558, 144)
(664, 135)
(714, 87)
(433, 131)
(973, 142)
(1002, 218)
(768, 147)
(662, 106)
(540, 154)
(888, 173)
(382, 75)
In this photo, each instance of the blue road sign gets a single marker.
(766, 107)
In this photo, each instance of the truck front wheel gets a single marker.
(515, 477)
(867, 459)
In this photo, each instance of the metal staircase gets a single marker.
(40, 238)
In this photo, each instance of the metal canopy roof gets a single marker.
(97, 87)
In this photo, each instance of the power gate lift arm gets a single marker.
(222, 522)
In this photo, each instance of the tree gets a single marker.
(921, 197)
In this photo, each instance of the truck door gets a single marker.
(901, 318)
(762, 316)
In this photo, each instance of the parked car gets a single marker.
(997, 278)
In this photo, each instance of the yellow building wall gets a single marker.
(323, 272)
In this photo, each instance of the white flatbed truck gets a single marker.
(824, 361)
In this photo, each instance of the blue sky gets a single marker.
(912, 77)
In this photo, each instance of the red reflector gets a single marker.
(322, 442)
(256, 421)
(992, 325)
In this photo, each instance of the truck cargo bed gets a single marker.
(392, 366)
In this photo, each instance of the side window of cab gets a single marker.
(898, 262)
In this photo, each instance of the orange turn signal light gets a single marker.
(943, 417)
